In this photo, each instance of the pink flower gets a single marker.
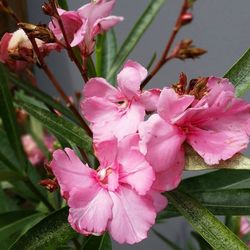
(244, 228)
(83, 25)
(34, 153)
(112, 198)
(118, 112)
(16, 50)
(217, 126)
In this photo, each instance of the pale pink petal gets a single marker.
(130, 78)
(4, 44)
(99, 87)
(99, 110)
(244, 226)
(160, 201)
(96, 10)
(150, 98)
(104, 24)
(133, 215)
(90, 209)
(70, 171)
(170, 178)
(163, 142)
(171, 104)
(133, 165)
(214, 145)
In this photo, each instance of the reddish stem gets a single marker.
(68, 46)
(164, 58)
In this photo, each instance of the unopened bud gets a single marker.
(37, 31)
(47, 9)
(186, 18)
(21, 116)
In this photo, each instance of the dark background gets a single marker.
(220, 26)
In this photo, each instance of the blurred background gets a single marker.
(221, 27)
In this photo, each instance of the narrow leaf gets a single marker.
(60, 126)
(9, 175)
(63, 4)
(205, 223)
(97, 242)
(99, 48)
(196, 162)
(202, 243)
(50, 233)
(7, 112)
(135, 34)
(239, 74)
(151, 62)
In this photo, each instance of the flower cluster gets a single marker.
(140, 159)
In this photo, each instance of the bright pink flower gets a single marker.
(217, 126)
(16, 50)
(84, 24)
(244, 228)
(118, 112)
(112, 198)
(34, 153)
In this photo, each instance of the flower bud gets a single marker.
(186, 18)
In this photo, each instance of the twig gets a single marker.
(70, 51)
(164, 59)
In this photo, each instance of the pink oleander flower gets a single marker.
(84, 24)
(216, 125)
(244, 228)
(116, 197)
(16, 50)
(33, 152)
(117, 112)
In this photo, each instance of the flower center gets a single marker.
(102, 175)
(122, 104)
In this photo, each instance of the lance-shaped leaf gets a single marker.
(135, 34)
(60, 126)
(6, 175)
(196, 162)
(97, 242)
(7, 112)
(239, 74)
(63, 4)
(49, 233)
(43, 97)
(219, 202)
(205, 223)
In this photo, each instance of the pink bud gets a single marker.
(186, 18)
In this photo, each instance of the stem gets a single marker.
(164, 59)
(57, 85)
(77, 244)
(38, 194)
(70, 51)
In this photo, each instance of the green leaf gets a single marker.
(239, 74)
(9, 175)
(221, 179)
(50, 233)
(151, 62)
(135, 34)
(202, 243)
(193, 161)
(99, 50)
(7, 112)
(97, 242)
(41, 96)
(63, 4)
(12, 230)
(168, 242)
(60, 126)
(205, 223)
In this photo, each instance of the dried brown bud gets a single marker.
(180, 87)
(186, 18)
(38, 31)
(186, 50)
(21, 116)
(49, 184)
(198, 87)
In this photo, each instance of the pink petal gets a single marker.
(133, 165)
(104, 24)
(90, 209)
(130, 78)
(171, 104)
(170, 178)
(160, 201)
(4, 44)
(133, 215)
(214, 145)
(150, 98)
(163, 142)
(70, 171)
(99, 110)
(99, 87)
